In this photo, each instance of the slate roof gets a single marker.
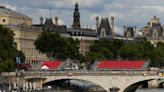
(105, 24)
(7, 12)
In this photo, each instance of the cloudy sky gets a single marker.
(126, 12)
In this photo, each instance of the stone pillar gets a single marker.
(41, 82)
(34, 85)
(24, 86)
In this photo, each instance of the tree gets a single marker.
(158, 55)
(7, 50)
(101, 49)
(130, 51)
(55, 46)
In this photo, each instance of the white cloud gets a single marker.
(118, 30)
(126, 12)
(90, 3)
(160, 9)
(9, 6)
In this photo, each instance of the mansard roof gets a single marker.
(7, 12)
(104, 24)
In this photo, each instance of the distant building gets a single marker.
(9, 17)
(153, 32)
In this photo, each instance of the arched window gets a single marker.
(128, 34)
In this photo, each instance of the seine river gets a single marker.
(150, 90)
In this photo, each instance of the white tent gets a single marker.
(44, 67)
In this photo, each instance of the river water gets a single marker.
(150, 90)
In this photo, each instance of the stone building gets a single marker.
(154, 31)
(25, 34)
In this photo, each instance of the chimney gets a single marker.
(41, 20)
(97, 23)
(112, 20)
(148, 27)
(56, 20)
(125, 30)
(135, 31)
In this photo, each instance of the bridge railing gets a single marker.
(80, 73)
(98, 73)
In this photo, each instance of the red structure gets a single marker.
(23, 66)
(51, 64)
(111, 64)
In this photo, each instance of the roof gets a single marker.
(7, 12)
(51, 64)
(105, 25)
(111, 64)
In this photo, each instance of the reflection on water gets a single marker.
(150, 90)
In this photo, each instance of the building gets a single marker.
(25, 34)
(86, 36)
(25, 37)
(9, 17)
(154, 31)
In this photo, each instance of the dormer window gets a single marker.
(128, 34)
(103, 32)
(155, 33)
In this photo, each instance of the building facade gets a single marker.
(25, 37)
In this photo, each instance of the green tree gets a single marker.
(7, 50)
(53, 45)
(158, 55)
(130, 51)
(101, 49)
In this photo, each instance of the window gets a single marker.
(4, 20)
(128, 34)
(103, 32)
(155, 33)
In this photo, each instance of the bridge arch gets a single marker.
(48, 80)
(133, 85)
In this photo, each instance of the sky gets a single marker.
(126, 12)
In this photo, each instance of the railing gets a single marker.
(82, 73)
(91, 73)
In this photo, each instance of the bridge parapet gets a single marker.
(95, 73)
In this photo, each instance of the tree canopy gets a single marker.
(55, 46)
(114, 49)
(8, 50)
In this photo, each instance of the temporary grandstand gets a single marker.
(121, 65)
(52, 65)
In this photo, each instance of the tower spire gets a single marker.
(76, 17)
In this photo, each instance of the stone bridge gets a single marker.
(125, 81)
